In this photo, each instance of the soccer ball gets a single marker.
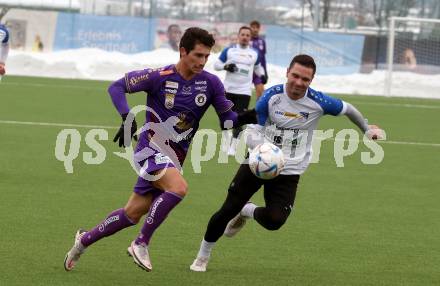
(266, 161)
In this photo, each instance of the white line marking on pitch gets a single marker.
(115, 127)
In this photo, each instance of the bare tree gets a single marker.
(3, 12)
(181, 6)
(325, 14)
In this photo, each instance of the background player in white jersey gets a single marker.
(293, 107)
(4, 48)
(240, 62)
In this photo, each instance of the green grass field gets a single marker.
(356, 225)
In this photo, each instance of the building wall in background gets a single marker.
(26, 26)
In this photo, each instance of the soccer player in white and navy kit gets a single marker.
(4, 48)
(287, 116)
(240, 61)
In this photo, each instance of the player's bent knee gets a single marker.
(181, 188)
(275, 220)
(133, 215)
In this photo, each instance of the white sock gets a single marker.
(226, 140)
(205, 249)
(248, 210)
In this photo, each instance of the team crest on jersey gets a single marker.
(200, 99)
(169, 100)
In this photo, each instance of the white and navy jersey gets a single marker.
(4, 43)
(247, 60)
(289, 123)
(4, 34)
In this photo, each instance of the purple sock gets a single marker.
(114, 222)
(159, 210)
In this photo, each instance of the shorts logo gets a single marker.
(172, 84)
(200, 99)
(150, 218)
(107, 221)
(169, 100)
(159, 158)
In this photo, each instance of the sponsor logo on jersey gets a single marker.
(200, 99)
(108, 221)
(138, 78)
(169, 90)
(200, 82)
(169, 100)
(186, 90)
(167, 72)
(172, 84)
(304, 115)
(201, 88)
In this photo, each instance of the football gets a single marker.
(266, 161)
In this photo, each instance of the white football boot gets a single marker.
(75, 252)
(199, 264)
(140, 255)
(235, 225)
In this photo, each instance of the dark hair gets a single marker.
(304, 60)
(255, 23)
(244, 28)
(193, 36)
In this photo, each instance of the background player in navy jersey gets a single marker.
(240, 61)
(4, 48)
(258, 43)
(177, 97)
(287, 116)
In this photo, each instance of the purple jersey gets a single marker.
(170, 95)
(259, 44)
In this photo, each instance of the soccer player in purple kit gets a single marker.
(259, 44)
(182, 92)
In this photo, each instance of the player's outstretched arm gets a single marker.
(237, 119)
(372, 131)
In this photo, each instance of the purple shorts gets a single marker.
(256, 79)
(150, 165)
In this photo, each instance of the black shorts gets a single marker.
(240, 101)
(278, 193)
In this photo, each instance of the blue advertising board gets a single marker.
(124, 34)
(334, 53)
